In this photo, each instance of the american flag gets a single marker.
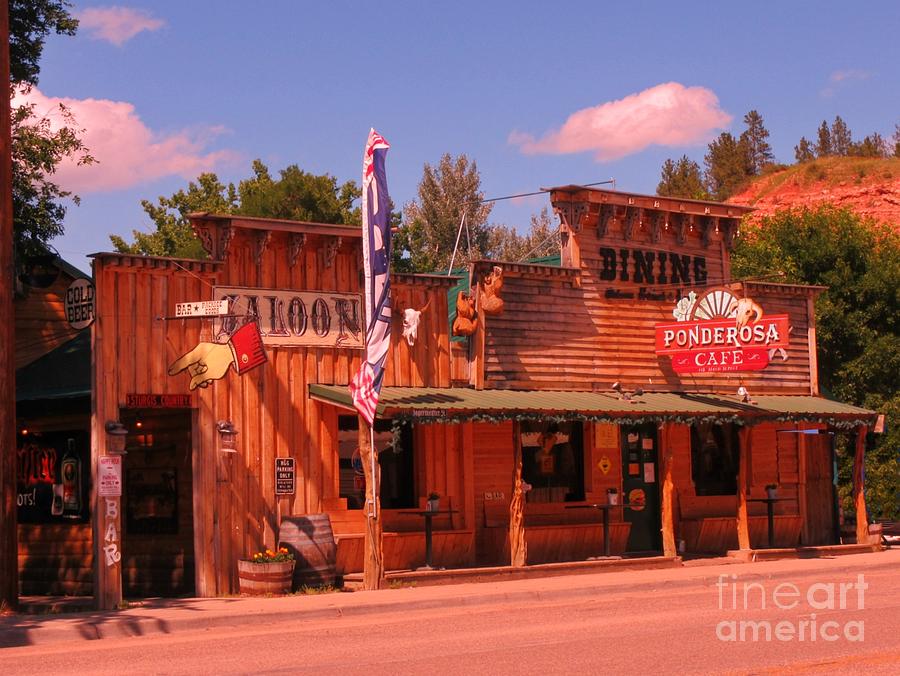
(376, 230)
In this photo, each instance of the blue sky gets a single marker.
(166, 90)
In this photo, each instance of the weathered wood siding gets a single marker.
(565, 329)
(41, 324)
(235, 511)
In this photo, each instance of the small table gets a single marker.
(604, 508)
(429, 515)
(770, 513)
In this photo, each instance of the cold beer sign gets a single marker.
(736, 336)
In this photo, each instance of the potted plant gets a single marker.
(612, 496)
(433, 503)
(771, 491)
(267, 572)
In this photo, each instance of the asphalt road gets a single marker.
(651, 621)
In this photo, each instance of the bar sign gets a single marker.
(202, 308)
(285, 476)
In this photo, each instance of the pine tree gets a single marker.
(758, 148)
(681, 179)
(895, 139)
(823, 144)
(430, 224)
(841, 138)
(727, 166)
(803, 151)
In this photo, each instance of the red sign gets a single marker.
(720, 345)
(157, 401)
(718, 360)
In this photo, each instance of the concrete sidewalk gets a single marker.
(170, 616)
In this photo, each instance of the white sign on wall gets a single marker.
(202, 308)
(80, 304)
(109, 476)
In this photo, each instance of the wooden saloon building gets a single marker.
(637, 372)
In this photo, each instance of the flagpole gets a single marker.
(374, 510)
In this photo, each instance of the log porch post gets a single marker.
(373, 554)
(667, 507)
(743, 523)
(859, 497)
(518, 548)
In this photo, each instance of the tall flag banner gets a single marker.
(376, 234)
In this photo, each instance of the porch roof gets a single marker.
(449, 404)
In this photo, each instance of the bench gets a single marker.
(403, 549)
(708, 524)
(551, 534)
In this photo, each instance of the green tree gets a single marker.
(841, 138)
(681, 178)
(298, 195)
(804, 151)
(823, 142)
(873, 145)
(37, 150)
(895, 140)
(295, 195)
(173, 235)
(542, 239)
(727, 166)
(857, 316)
(431, 223)
(759, 152)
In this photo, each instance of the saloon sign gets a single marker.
(293, 318)
(721, 333)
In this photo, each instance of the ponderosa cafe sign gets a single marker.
(719, 333)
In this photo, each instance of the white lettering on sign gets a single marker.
(112, 535)
(113, 555)
(315, 318)
(80, 303)
(112, 509)
(202, 308)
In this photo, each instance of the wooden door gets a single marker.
(819, 526)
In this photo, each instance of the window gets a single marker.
(397, 476)
(715, 451)
(553, 461)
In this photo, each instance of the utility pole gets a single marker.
(9, 568)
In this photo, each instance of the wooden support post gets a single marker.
(667, 507)
(518, 548)
(9, 560)
(373, 557)
(743, 523)
(859, 496)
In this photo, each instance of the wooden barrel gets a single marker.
(260, 579)
(310, 540)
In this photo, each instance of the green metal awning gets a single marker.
(435, 404)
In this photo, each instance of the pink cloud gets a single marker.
(116, 24)
(668, 114)
(128, 153)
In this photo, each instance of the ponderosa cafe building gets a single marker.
(635, 372)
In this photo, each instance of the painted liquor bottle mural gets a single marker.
(719, 332)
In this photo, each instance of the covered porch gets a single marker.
(469, 446)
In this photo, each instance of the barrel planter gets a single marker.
(310, 539)
(261, 579)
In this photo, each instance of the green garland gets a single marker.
(518, 416)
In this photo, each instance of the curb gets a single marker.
(236, 612)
